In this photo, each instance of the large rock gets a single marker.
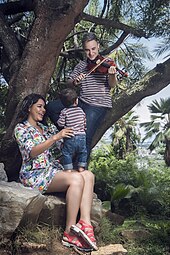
(138, 234)
(53, 212)
(3, 176)
(114, 218)
(18, 206)
(111, 249)
(96, 212)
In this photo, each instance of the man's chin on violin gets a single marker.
(91, 49)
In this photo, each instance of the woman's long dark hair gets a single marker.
(27, 102)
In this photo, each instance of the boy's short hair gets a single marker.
(88, 37)
(68, 96)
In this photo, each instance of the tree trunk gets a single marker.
(167, 153)
(34, 68)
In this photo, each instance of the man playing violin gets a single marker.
(94, 98)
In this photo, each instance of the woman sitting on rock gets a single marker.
(41, 171)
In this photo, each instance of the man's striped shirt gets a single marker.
(94, 88)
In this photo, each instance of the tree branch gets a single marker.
(12, 8)
(114, 24)
(9, 41)
(115, 45)
(154, 81)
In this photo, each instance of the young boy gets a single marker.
(73, 117)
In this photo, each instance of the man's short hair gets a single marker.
(88, 37)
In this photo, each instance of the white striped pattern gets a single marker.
(95, 89)
(73, 117)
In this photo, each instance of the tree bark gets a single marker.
(17, 7)
(167, 153)
(34, 68)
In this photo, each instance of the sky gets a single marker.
(142, 110)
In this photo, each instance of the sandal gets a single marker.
(86, 232)
(75, 242)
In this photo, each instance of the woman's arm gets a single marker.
(40, 148)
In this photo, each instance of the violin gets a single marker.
(101, 65)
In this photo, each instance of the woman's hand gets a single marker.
(66, 132)
(40, 148)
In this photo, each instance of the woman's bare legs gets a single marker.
(87, 196)
(79, 195)
(73, 183)
(83, 227)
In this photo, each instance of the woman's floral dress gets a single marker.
(36, 172)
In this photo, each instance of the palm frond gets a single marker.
(148, 135)
(140, 51)
(156, 117)
(160, 137)
(155, 107)
(162, 47)
(121, 190)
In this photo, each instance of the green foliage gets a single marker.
(120, 192)
(162, 47)
(161, 175)
(155, 243)
(106, 234)
(155, 15)
(111, 171)
(143, 188)
(124, 135)
(22, 27)
(159, 127)
(159, 123)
